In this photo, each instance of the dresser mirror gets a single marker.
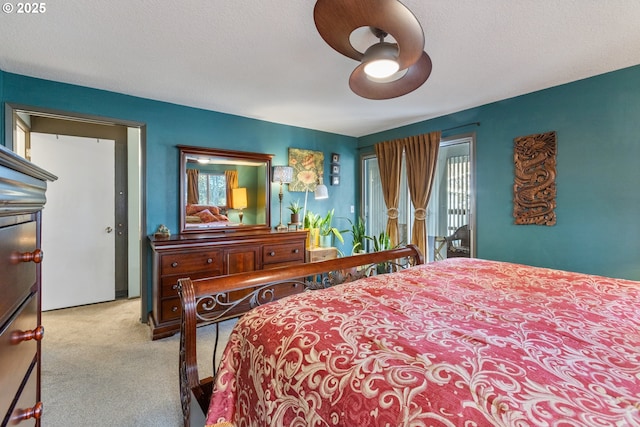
(223, 190)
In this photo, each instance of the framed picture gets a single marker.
(335, 169)
(335, 158)
(335, 180)
(307, 166)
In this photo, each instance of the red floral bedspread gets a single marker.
(462, 342)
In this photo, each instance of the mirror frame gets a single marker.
(226, 155)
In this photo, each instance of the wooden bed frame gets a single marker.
(206, 301)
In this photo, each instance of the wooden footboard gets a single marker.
(206, 301)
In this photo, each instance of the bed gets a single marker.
(459, 342)
(205, 214)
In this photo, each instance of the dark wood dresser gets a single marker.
(206, 255)
(22, 196)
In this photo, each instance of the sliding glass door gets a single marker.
(451, 205)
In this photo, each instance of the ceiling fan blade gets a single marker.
(336, 20)
(416, 75)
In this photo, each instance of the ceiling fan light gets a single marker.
(381, 68)
(381, 60)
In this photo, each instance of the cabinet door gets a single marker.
(240, 260)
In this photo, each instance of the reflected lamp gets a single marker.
(239, 200)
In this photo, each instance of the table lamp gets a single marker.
(282, 175)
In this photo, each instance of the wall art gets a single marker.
(534, 188)
(308, 167)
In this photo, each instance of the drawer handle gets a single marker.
(174, 308)
(19, 336)
(25, 414)
(272, 253)
(35, 256)
(174, 264)
(295, 251)
(209, 261)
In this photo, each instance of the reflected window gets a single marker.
(212, 189)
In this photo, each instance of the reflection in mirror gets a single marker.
(223, 190)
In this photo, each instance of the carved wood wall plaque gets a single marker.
(534, 188)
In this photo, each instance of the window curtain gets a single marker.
(421, 153)
(192, 186)
(389, 155)
(232, 182)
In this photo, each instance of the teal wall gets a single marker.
(168, 125)
(597, 121)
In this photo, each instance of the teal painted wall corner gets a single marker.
(598, 136)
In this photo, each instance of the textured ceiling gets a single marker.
(265, 59)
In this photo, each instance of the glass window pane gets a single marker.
(212, 189)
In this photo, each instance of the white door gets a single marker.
(78, 240)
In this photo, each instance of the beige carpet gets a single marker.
(100, 368)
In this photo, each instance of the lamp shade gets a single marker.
(381, 60)
(239, 198)
(282, 174)
(321, 192)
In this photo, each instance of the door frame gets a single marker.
(11, 111)
(75, 128)
(452, 140)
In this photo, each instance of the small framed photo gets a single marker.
(335, 180)
(335, 169)
(335, 158)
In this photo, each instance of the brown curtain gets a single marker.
(389, 156)
(421, 152)
(192, 187)
(232, 182)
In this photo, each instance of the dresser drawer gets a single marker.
(187, 262)
(16, 355)
(170, 309)
(282, 253)
(17, 264)
(170, 283)
(27, 410)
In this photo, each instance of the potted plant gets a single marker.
(382, 242)
(327, 230)
(312, 223)
(358, 234)
(295, 209)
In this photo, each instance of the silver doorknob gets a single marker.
(109, 229)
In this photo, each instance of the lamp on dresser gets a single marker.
(282, 175)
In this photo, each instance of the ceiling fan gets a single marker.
(386, 70)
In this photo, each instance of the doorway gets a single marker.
(79, 238)
(129, 185)
(451, 209)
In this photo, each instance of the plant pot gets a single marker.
(313, 239)
(325, 241)
(295, 218)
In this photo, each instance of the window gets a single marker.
(458, 194)
(212, 189)
(452, 198)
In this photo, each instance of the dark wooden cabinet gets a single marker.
(207, 255)
(22, 196)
